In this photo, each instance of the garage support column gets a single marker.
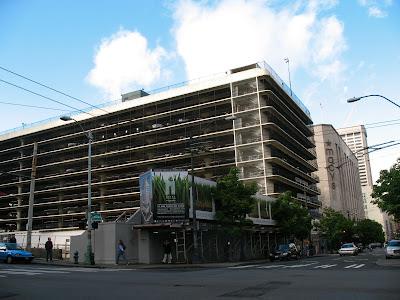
(144, 246)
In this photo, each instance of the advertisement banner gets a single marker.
(146, 197)
(164, 196)
(205, 205)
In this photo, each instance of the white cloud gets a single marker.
(231, 33)
(124, 62)
(376, 12)
(376, 7)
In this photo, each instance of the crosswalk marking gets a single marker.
(35, 270)
(325, 266)
(243, 267)
(299, 266)
(270, 267)
(348, 267)
(42, 271)
(362, 265)
(22, 273)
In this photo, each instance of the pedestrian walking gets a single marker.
(13, 239)
(121, 252)
(167, 252)
(49, 250)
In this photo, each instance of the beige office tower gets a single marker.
(356, 138)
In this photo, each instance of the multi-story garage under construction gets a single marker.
(270, 140)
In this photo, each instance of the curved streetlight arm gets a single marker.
(354, 99)
(88, 134)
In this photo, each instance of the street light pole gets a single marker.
(354, 99)
(290, 82)
(196, 257)
(89, 256)
(31, 198)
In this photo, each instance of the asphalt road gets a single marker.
(328, 277)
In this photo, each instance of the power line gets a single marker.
(52, 89)
(33, 106)
(45, 97)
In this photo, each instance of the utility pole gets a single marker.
(31, 198)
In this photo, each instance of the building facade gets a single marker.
(338, 172)
(356, 138)
(270, 141)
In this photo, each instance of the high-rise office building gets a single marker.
(270, 141)
(356, 138)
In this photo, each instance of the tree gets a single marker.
(387, 191)
(370, 231)
(233, 200)
(291, 219)
(335, 227)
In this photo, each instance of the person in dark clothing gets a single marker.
(13, 239)
(49, 250)
(167, 252)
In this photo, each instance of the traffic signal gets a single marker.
(95, 225)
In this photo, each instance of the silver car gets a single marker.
(393, 249)
(348, 249)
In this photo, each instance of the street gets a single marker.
(325, 277)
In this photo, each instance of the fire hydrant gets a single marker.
(76, 256)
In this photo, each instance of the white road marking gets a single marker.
(360, 266)
(348, 267)
(299, 266)
(270, 267)
(21, 273)
(41, 271)
(36, 270)
(325, 266)
(243, 267)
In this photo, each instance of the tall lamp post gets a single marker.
(89, 256)
(354, 99)
(290, 82)
(194, 148)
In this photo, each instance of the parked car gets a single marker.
(285, 252)
(12, 252)
(348, 249)
(393, 249)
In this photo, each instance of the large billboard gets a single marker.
(164, 196)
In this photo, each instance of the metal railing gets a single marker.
(264, 65)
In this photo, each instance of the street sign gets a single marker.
(96, 217)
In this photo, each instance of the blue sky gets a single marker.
(96, 50)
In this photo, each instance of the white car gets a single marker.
(348, 249)
(393, 249)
